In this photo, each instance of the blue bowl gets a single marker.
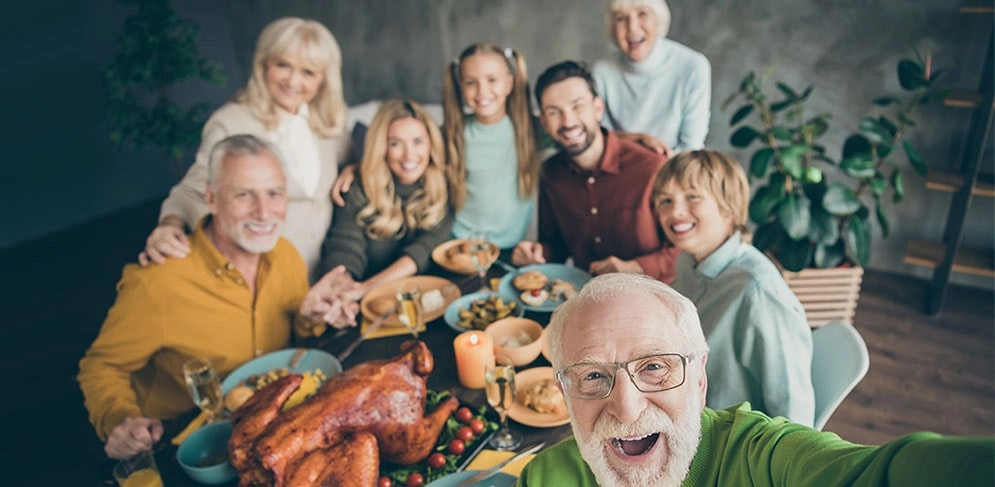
(208, 443)
(452, 311)
(315, 359)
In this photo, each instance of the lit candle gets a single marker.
(474, 351)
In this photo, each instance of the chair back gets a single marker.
(839, 362)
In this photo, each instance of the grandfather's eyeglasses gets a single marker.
(653, 373)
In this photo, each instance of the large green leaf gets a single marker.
(859, 166)
(888, 125)
(910, 75)
(760, 162)
(878, 184)
(781, 105)
(882, 219)
(884, 149)
(767, 236)
(795, 255)
(829, 256)
(782, 133)
(743, 136)
(856, 144)
(743, 112)
(791, 159)
(790, 93)
(857, 237)
(824, 228)
(817, 126)
(915, 159)
(763, 203)
(840, 200)
(873, 130)
(898, 185)
(886, 100)
(794, 215)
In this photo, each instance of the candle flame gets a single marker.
(474, 339)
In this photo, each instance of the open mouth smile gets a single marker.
(635, 446)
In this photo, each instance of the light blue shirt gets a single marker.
(759, 339)
(667, 95)
(492, 200)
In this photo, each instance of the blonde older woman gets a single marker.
(656, 91)
(294, 100)
(400, 211)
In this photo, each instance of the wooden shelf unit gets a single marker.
(948, 255)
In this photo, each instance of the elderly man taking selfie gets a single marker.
(630, 358)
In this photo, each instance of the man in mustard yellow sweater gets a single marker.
(236, 296)
(630, 358)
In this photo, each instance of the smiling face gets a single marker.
(408, 149)
(572, 115)
(292, 81)
(248, 204)
(692, 220)
(486, 82)
(631, 437)
(634, 31)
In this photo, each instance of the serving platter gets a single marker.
(450, 256)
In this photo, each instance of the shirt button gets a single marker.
(218, 272)
(229, 266)
(597, 240)
(238, 281)
(590, 180)
(594, 211)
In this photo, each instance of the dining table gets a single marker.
(438, 336)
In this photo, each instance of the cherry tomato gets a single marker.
(464, 414)
(457, 447)
(436, 460)
(415, 480)
(535, 292)
(477, 425)
(464, 433)
(384, 482)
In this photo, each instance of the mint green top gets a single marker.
(492, 200)
(741, 447)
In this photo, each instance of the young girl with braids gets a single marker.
(491, 143)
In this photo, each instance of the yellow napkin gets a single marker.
(193, 426)
(387, 330)
(489, 458)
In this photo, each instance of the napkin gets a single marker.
(489, 458)
(387, 330)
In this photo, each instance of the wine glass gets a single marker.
(409, 308)
(499, 380)
(204, 386)
(483, 254)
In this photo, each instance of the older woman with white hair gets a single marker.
(656, 90)
(294, 100)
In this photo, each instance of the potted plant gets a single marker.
(804, 220)
(158, 50)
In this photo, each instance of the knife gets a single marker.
(485, 474)
(369, 331)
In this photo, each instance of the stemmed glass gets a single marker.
(483, 254)
(205, 387)
(409, 308)
(499, 380)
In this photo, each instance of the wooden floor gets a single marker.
(926, 373)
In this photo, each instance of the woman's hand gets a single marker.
(133, 435)
(168, 240)
(527, 253)
(342, 184)
(649, 141)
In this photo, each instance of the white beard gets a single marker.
(680, 438)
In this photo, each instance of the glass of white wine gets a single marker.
(205, 387)
(409, 307)
(499, 380)
(483, 253)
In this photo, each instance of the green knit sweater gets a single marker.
(741, 447)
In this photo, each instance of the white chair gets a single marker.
(839, 362)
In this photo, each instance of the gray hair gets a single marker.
(659, 8)
(237, 146)
(611, 286)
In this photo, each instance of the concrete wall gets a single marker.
(60, 168)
